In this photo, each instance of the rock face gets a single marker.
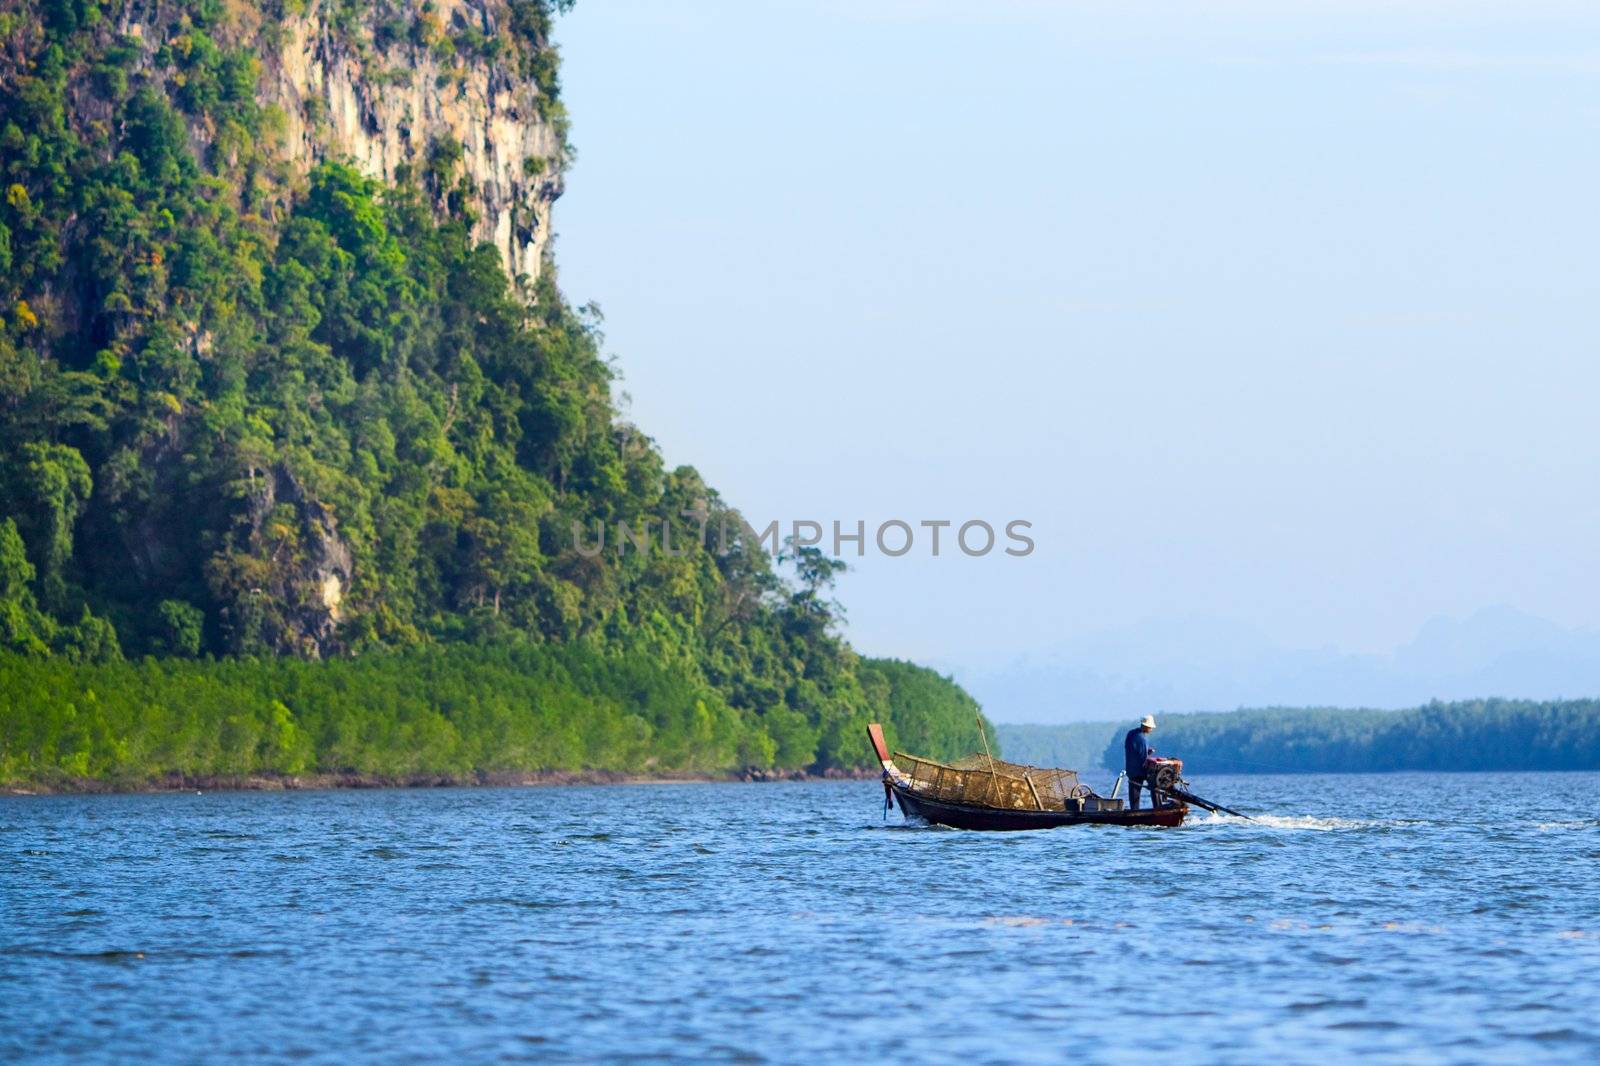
(309, 565)
(437, 91)
(455, 95)
(402, 104)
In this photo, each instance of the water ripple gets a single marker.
(1446, 918)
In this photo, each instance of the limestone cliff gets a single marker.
(191, 400)
(459, 94)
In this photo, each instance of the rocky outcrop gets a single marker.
(284, 584)
(457, 96)
(403, 104)
(437, 91)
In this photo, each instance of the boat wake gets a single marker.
(1293, 822)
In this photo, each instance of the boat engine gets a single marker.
(1165, 778)
(1163, 774)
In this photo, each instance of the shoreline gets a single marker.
(91, 786)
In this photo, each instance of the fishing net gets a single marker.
(985, 782)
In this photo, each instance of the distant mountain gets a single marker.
(1202, 664)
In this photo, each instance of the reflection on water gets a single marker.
(1418, 917)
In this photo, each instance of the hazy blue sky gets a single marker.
(1274, 316)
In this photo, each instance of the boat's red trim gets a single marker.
(875, 731)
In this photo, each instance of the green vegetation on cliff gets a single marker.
(255, 409)
(1467, 735)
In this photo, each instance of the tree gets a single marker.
(22, 627)
(52, 483)
(182, 627)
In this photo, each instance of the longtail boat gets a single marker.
(982, 792)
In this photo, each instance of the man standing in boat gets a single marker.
(1136, 747)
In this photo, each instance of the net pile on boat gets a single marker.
(984, 782)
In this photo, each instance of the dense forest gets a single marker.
(452, 712)
(294, 471)
(1472, 735)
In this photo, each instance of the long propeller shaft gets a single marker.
(1189, 797)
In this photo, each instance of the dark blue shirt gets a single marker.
(1135, 747)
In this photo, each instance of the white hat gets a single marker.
(1148, 721)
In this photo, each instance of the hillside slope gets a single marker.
(285, 372)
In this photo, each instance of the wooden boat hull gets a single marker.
(963, 816)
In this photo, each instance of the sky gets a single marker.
(1276, 321)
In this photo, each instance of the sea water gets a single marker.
(1415, 918)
